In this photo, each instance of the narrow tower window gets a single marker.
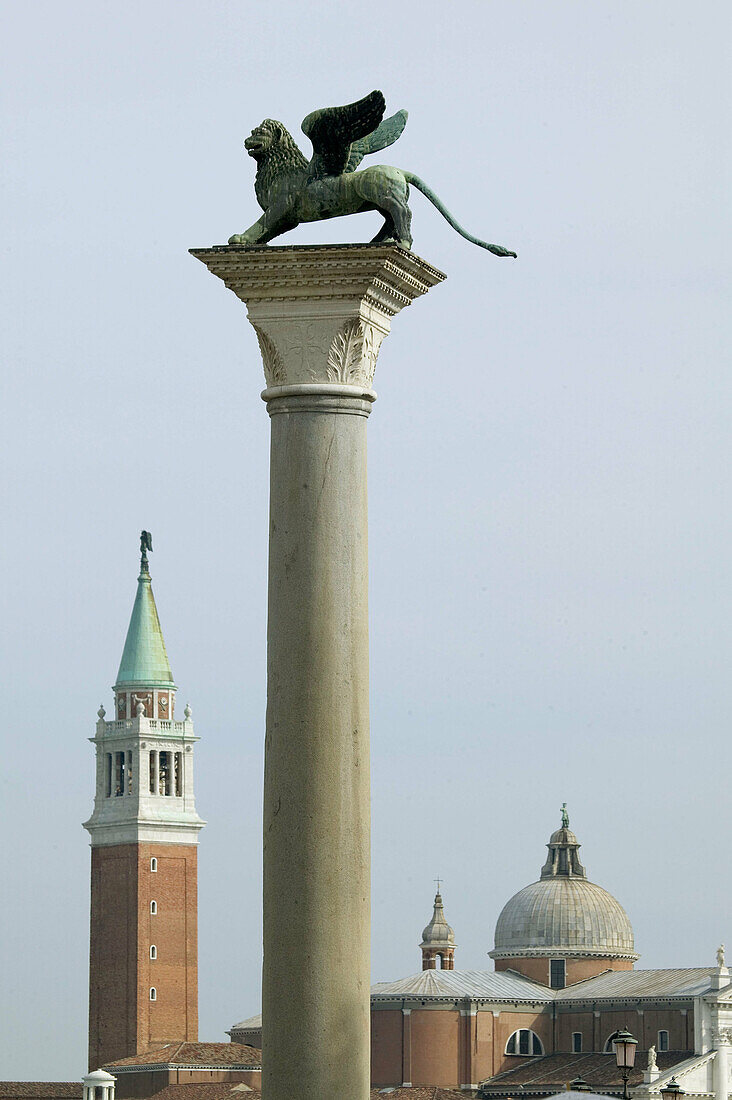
(576, 1042)
(119, 774)
(153, 993)
(153, 864)
(153, 908)
(153, 770)
(663, 1040)
(164, 768)
(558, 973)
(179, 774)
(129, 772)
(108, 776)
(153, 951)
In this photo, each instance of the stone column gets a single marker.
(320, 315)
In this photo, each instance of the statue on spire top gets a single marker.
(565, 816)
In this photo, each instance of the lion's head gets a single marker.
(272, 141)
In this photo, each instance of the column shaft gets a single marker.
(315, 1002)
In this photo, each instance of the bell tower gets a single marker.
(143, 960)
(438, 940)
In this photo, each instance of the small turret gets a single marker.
(438, 940)
(563, 858)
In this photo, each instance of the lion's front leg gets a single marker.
(252, 235)
(278, 219)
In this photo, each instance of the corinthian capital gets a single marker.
(321, 312)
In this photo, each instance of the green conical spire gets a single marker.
(144, 659)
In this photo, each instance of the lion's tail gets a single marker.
(428, 193)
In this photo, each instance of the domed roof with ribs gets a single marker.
(563, 913)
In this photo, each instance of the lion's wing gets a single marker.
(385, 134)
(332, 131)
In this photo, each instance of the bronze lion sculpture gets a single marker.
(290, 189)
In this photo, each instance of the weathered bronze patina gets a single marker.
(291, 190)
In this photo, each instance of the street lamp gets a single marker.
(672, 1090)
(625, 1045)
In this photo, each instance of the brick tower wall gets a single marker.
(122, 1019)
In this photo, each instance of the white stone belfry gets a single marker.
(320, 315)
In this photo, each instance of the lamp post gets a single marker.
(625, 1046)
(672, 1090)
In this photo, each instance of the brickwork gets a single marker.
(508, 1022)
(386, 1047)
(430, 956)
(435, 1047)
(123, 1020)
(439, 1046)
(577, 969)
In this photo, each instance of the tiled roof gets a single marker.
(553, 1072)
(430, 1092)
(205, 1090)
(487, 985)
(44, 1090)
(640, 983)
(194, 1054)
(248, 1025)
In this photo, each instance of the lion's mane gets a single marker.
(280, 157)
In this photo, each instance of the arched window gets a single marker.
(153, 908)
(153, 993)
(153, 951)
(663, 1040)
(609, 1048)
(526, 1043)
(438, 962)
(153, 864)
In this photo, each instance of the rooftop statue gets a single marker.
(290, 189)
(565, 816)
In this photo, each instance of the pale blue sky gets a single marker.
(549, 462)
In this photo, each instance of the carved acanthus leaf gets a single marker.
(352, 354)
(274, 368)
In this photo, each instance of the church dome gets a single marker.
(563, 913)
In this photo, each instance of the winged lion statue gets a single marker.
(290, 189)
